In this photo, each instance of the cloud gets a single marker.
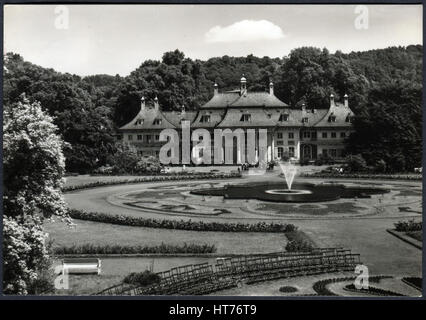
(244, 31)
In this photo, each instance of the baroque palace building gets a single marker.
(298, 133)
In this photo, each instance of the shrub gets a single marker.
(380, 166)
(142, 278)
(406, 226)
(355, 163)
(105, 170)
(181, 224)
(298, 241)
(148, 165)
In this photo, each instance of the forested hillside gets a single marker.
(384, 88)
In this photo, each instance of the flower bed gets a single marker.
(288, 289)
(372, 290)
(407, 226)
(415, 282)
(159, 178)
(320, 287)
(363, 176)
(181, 224)
(118, 249)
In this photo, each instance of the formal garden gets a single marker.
(73, 195)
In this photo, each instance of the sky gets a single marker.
(116, 39)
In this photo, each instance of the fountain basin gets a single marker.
(300, 192)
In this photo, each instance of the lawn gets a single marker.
(103, 233)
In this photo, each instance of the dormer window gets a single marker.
(283, 117)
(349, 118)
(139, 122)
(205, 118)
(157, 122)
(305, 120)
(332, 118)
(246, 118)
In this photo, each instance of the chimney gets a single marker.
(271, 88)
(332, 104)
(243, 87)
(345, 98)
(156, 105)
(142, 103)
(216, 89)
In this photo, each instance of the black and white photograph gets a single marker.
(213, 150)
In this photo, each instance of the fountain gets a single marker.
(300, 192)
(289, 170)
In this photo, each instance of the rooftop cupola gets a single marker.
(243, 85)
(182, 112)
(216, 89)
(156, 105)
(142, 103)
(332, 104)
(271, 88)
(346, 102)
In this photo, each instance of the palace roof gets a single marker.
(147, 119)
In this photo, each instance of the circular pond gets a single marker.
(300, 192)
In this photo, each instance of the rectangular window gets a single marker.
(280, 152)
(280, 142)
(324, 135)
(130, 137)
(291, 135)
(148, 138)
(333, 135)
(291, 143)
(246, 118)
(314, 135)
(139, 122)
(342, 134)
(279, 135)
(333, 153)
(157, 122)
(157, 137)
(332, 119)
(291, 151)
(205, 118)
(306, 134)
(305, 120)
(139, 137)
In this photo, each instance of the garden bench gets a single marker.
(81, 266)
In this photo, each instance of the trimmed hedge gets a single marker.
(118, 249)
(181, 224)
(363, 176)
(177, 177)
